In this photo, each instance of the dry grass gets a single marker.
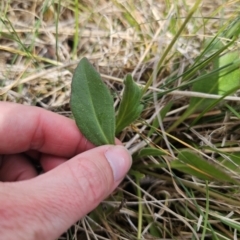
(40, 44)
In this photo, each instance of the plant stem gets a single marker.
(140, 210)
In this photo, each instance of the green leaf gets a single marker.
(230, 77)
(182, 167)
(92, 105)
(130, 107)
(226, 78)
(151, 152)
(193, 164)
(204, 85)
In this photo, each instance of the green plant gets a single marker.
(92, 105)
(187, 139)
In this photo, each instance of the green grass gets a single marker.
(184, 182)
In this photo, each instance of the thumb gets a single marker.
(46, 206)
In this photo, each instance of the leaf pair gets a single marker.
(92, 105)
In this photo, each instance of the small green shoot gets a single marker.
(130, 107)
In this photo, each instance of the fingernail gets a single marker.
(120, 161)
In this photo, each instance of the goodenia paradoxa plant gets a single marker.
(92, 105)
(130, 107)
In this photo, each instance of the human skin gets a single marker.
(76, 175)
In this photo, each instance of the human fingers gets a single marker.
(16, 167)
(48, 162)
(46, 206)
(31, 128)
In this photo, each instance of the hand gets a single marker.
(44, 206)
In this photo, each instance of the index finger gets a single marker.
(24, 128)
